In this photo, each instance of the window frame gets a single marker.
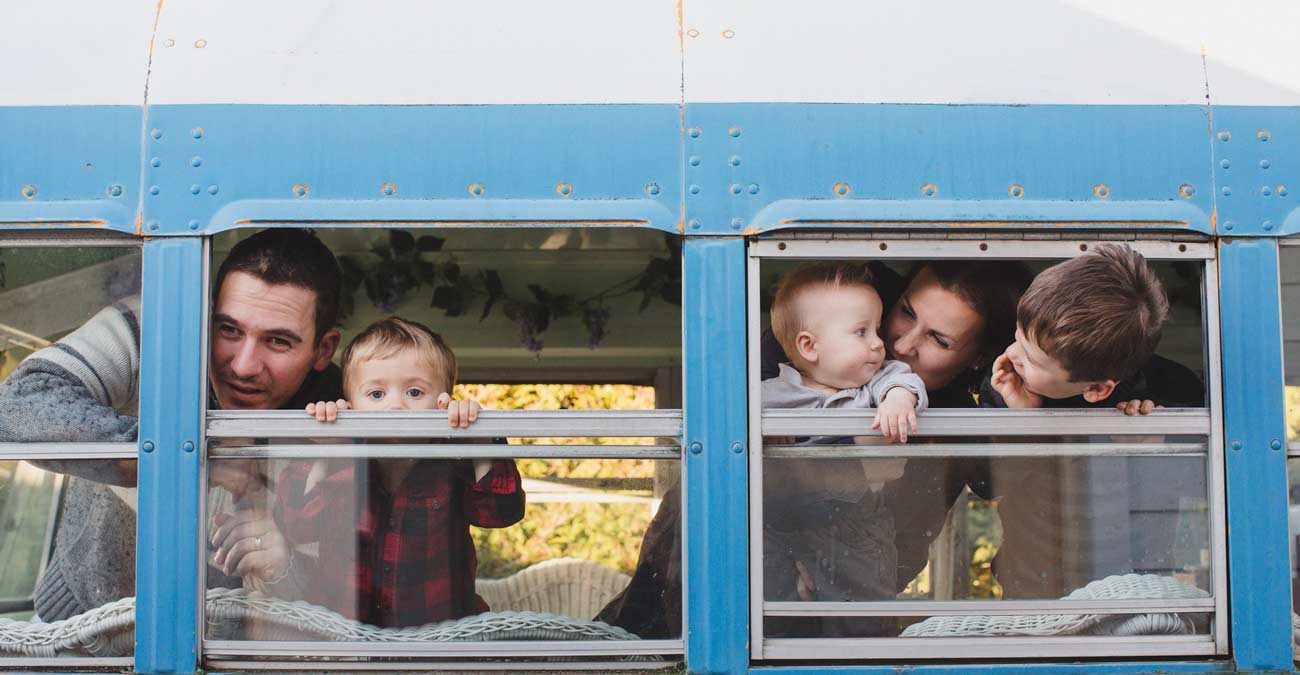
(935, 245)
(60, 450)
(662, 423)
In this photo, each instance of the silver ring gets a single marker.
(258, 542)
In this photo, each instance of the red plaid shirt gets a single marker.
(401, 559)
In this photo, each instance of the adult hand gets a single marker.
(1137, 407)
(237, 476)
(249, 543)
(1008, 383)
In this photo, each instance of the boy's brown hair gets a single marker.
(1100, 315)
(786, 320)
(384, 338)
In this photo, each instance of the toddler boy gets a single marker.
(393, 534)
(835, 542)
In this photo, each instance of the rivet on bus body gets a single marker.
(694, 160)
(695, 224)
(1186, 190)
(388, 189)
(841, 189)
(194, 224)
(29, 191)
(213, 189)
(115, 190)
(694, 189)
(737, 447)
(929, 189)
(1228, 225)
(1101, 190)
(155, 190)
(753, 188)
(652, 188)
(734, 132)
(476, 189)
(884, 246)
(188, 446)
(196, 161)
(1236, 445)
(1275, 444)
(693, 33)
(696, 447)
(1268, 225)
(564, 189)
(169, 42)
(1227, 190)
(1266, 190)
(1016, 190)
(147, 446)
(737, 223)
(156, 133)
(984, 246)
(197, 132)
(728, 33)
(694, 132)
(1225, 135)
(1281, 190)
(734, 160)
(200, 43)
(153, 224)
(1263, 135)
(1083, 247)
(1225, 164)
(196, 188)
(1264, 164)
(301, 189)
(735, 189)
(155, 162)
(780, 246)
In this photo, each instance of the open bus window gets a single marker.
(69, 369)
(1289, 269)
(513, 538)
(998, 531)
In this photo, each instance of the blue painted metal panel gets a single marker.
(199, 159)
(171, 364)
(743, 157)
(70, 163)
(1255, 431)
(1257, 169)
(715, 467)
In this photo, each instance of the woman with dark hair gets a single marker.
(947, 320)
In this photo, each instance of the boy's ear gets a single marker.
(806, 344)
(1095, 392)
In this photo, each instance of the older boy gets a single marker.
(1086, 335)
(841, 540)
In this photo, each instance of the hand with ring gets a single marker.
(249, 543)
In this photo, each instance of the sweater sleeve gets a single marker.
(83, 388)
(897, 374)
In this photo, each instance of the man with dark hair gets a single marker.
(274, 307)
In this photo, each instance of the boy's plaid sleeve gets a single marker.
(496, 500)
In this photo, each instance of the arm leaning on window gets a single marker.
(80, 389)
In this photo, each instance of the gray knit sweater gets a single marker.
(85, 388)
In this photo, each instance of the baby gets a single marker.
(393, 534)
(826, 534)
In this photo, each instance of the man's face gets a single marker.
(263, 342)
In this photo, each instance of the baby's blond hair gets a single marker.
(385, 338)
(787, 320)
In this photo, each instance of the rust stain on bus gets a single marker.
(46, 223)
(441, 223)
(991, 223)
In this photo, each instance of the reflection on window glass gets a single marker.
(69, 340)
(1289, 269)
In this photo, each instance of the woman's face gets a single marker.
(934, 331)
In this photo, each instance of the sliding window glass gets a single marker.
(413, 527)
(69, 373)
(1026, 514)
(1289, 269)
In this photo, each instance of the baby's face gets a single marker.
(1042, 374)
(845, 323)
(402, 382)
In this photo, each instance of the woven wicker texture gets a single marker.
(566, 586)
(1118, 587)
